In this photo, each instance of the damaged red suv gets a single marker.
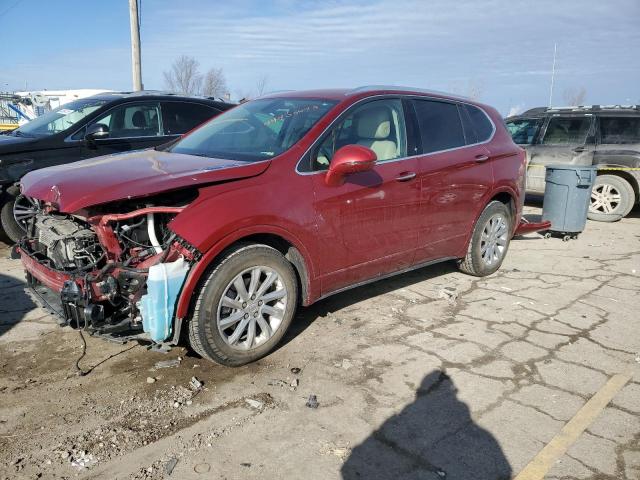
(278, 202)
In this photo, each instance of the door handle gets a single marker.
(579, 149)
(481, 158)
(406, 176)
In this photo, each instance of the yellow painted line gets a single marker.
(557, 447)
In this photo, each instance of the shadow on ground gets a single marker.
(432, 438)
(306, 316)
(14, 303)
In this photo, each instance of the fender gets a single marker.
(195, 274)
(508, 189)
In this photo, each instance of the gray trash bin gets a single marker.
(567, 194)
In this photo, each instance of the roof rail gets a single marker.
(368, 88)
(580, 108)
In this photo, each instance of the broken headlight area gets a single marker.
(116, 275)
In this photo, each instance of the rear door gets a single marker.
(455, 174)
(567, 140)
(180, 117)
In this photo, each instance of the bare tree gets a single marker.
(184, 76)
(261, 85)
(475, 89)
(214, 83)
(574, 96)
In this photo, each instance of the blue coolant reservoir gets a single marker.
(156, 307)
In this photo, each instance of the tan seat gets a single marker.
(373, 126)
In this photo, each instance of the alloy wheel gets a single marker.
(605, 198)
(252, 308)
(493, 240)
(24, 209)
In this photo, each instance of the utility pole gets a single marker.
(135, 45)
(553, 72)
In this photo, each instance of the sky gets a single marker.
(498, 50)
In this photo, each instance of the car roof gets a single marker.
(160, 95)
(617, 109)
(341, 94)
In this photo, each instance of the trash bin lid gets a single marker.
(560, 166)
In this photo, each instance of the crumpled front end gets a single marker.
(116, 275)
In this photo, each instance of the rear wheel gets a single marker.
(489, 241)
(245, 306)
(612, 198)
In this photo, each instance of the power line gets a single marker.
(10, 8)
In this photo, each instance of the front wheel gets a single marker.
(489, 241)
(16, 213)
(244, 307)
(612, 198)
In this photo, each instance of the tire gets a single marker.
(612, 198)
(216, 343)
(481, 261)
(10, 226)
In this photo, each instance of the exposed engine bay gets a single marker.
(116, 275)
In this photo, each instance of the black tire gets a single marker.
(9, 225)
(617, 185)
(204, 335)
(473, 263)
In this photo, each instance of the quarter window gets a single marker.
(567, 130)
(480, 122)
(440, 125)
(619, 130)
(378, 125)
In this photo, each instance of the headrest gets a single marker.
(138, 120)
(374, 122)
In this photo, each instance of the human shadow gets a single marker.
(432, 438)
(14, 303)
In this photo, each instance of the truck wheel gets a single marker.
(15, 209)
(612, 198)
(244, 307)
(489, 241)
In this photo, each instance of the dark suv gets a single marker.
(88, 127)
(605, 136)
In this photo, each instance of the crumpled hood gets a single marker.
(137, 174)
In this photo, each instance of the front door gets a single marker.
(566, 140)
(367, 227)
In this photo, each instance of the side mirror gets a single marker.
(347, 160)
(96, 131)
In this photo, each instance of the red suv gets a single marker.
(280, 201)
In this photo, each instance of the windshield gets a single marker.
(60, 119)
(256, 130)
(524, 130)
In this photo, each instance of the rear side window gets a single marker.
(440, 125)
(180, 117)
(567, 130)
(619, 130)
(480, 122)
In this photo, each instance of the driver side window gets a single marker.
(378, 125)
